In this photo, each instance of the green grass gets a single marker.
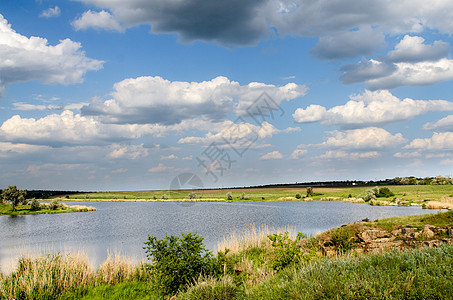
(418, 221)
(5, 209)
(124, 290)
(403, 193)
(414, 274)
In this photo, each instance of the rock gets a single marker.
(428, 231)
(408, 232)
(373, 234)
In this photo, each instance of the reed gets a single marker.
(252, 236)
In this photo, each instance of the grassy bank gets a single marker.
(5, 209)
(260, 263)
(429, 196)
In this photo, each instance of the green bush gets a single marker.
(310, 191)
(298, 196)
(385, 192)
(229, 196)
(179, 261)
(54, 205)
(192, 196)
(286, 250)
(34, 205)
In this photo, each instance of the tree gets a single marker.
(309, 191)
(13, 195)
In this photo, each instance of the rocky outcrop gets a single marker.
(375, 240)
(429, 236)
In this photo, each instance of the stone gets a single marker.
(373, 234)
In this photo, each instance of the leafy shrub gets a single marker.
(298, 196)
(164, 197)
(385, 192)
(54, 205)
(286, 250)
(310, 191)
(34, 205)
(192, 196)
(229, 196)
(178, 261)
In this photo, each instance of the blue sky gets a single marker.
(127, 95)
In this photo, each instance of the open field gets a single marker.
(433, 196)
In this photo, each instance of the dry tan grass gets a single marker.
(252, 236)
(115, 269)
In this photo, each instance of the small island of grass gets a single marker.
(45, 208)
(20, 205)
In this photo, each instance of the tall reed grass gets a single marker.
(252, 236)
(49, 276)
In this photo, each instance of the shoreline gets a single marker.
(432, 204)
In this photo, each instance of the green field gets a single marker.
(403, 195)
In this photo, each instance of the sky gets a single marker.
(100, 95)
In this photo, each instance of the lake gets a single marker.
(123, 227)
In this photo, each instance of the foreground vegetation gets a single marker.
(259, 263)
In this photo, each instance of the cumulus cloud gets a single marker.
(370, 108)
(168, 157)
(154, 100)
(413, 49)
(7, 148)
(127, 151)
(25, 59)
(239, 22)
(97, 20)
(343, 155)
(238, 135)
(161, 168)
(61, 106)
(411, 63)
(67, 128)
(271, 155)
(298, 153)
(51, 12)
(366, 138)
(438, 142)
(445, 124)
(407, 154)
(349, 44)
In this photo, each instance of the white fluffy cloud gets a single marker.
(343, 155)
(67, 128)
(10, 148)
(366, 138)
(127, 151)
(298, 153)
(370, 108)
(438, 142)
(414, 49)
(24, 59)
(411, 63)
(51, 12)
(271, 155)
(238, 135)
(97, 20)
(154, 100)
(445, 124)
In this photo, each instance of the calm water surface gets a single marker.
(122, 227)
